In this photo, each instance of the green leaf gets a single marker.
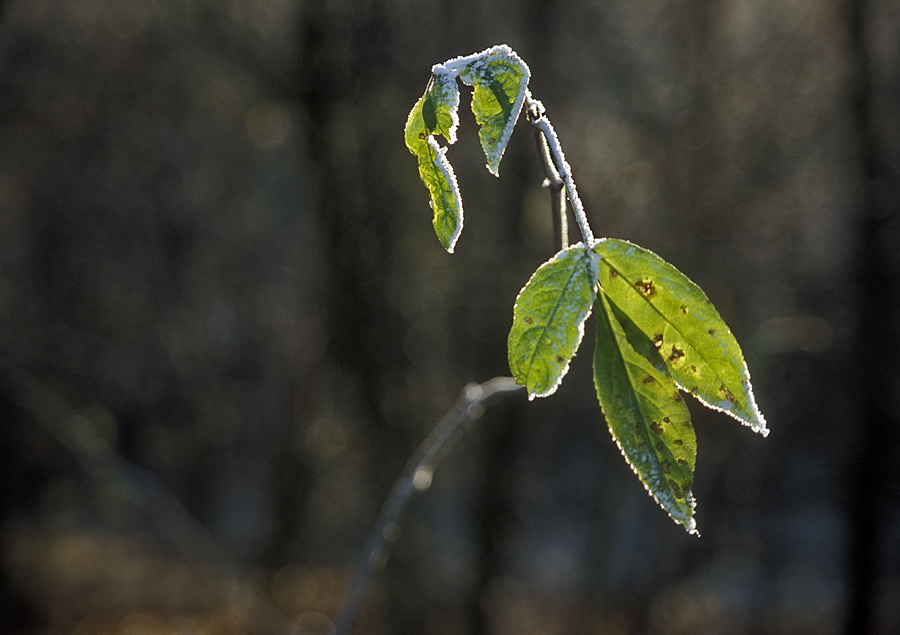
(548, 319)
(646, 416)
(500, 79)
(674, 325)
(435, 113)
(446, 202)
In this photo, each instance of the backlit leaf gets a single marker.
(646, 416)
(548, 319)
(674, 325)
(446, 202)
(499, 78)
(435, 113)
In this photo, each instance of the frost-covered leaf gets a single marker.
(548, 319)
(446, 202)
(500, 79)
(646, 416)
(435, 113)
(674, 325)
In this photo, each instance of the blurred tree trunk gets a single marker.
(343, 57)
(875, 360)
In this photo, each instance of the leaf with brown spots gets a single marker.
(670, 322)
(648, 419)
(548, 319)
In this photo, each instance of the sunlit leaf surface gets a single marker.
(499, 78)
(435, 113)
(674, 325)
(548, 319)
(446, 203)
(646, 416)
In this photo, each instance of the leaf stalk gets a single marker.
(538, 118)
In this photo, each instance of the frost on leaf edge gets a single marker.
(443, 164)
(757, 423)
(659, 495)
(581, 319)
(456, 66)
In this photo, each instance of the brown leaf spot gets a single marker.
(684, 309)
(676, 396)
(655, 427)
(648, 379)
(712, 331)
(682, 462)
(613, 274)
(727, 393)
(665, 420)
(646, 287)
(678, 442)
(676, 353)
(676, 489)
(658, 340)
(665, 466)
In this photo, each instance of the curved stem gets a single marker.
(416, 478)
(556, 185)
(537, 117)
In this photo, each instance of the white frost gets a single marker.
(565, 171)
(446, 169)
(449, 83)
(579, 319)
(474, 64)
(756, 422)
(662, 495)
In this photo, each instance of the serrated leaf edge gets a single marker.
(475, 68)
(441, 162)
(758, 424)
(582, 318)
(689, 522)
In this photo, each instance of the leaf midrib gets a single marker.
(552, 316)
(677, 329)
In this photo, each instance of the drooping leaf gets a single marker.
(548, 319)
(646, 416)
(446, 202)
(674, 325)
(499, 78)
(434, 114)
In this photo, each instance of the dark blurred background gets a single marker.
(225, 321)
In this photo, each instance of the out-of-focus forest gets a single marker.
(225, 320)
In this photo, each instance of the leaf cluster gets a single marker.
(658, 336)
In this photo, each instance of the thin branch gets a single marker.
(538, 119)
(416, 478)
(553, 182)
